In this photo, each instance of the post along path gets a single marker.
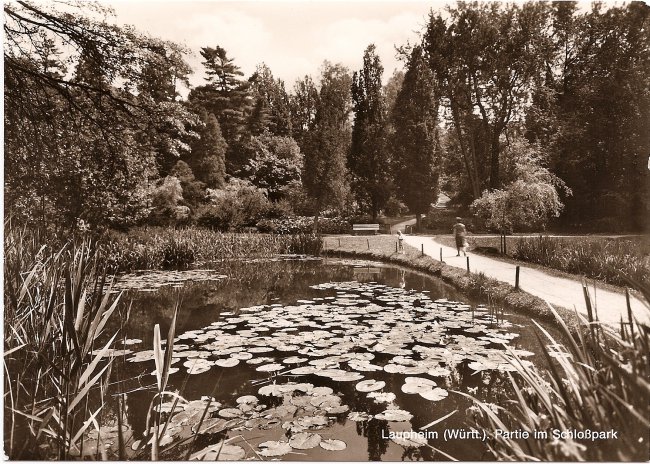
(558, 291)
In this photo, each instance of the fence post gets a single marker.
(368, 241)
(339, 243)
(441, 254)
(396, 250)
(467, 264)
(517, 278)
(423, 249)
(505, 249)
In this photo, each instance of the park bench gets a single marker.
(374, 228)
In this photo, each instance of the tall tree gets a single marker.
(327, 140)
(74, 142)
(271, 109)
(416, 143)
(368, 161)
(207, 157)
(591, 111)
(488, 59)
(227, 96)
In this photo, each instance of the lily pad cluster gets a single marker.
(354, 338)
(150, 281)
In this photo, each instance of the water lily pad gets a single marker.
(412, 440)
(357, 416)
(333, 445)
(271, 390)
(303, 441)
(414, 385)
(321, 391)
(394, 415)
(219, 452)
(210, 425)
(380, 397)
(230, 413)
(294, 360)
(274, 448)
(370, 385)
(435, 394)
(227, 362)
(326, 401)
(273, 367)
(247, 399)
(197, 366)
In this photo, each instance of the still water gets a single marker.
(313, 360)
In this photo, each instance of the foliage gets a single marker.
(165, 200)
(78, 142)
(326, 136)
(486, 57)
(368, 160)
(271, 110)
(304, 225)
(226, 96)
(394, 207)
(193, 191)
(207, 157)
(415, 142)
(157, 248)
(607, 260)
(57, 366)
(239, 204)
(592, 111)
(528, 201)
(599, 382)
(275, 165)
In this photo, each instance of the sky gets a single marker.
(293, 38)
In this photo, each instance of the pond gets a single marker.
(312, 360)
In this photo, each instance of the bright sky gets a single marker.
(291, 37)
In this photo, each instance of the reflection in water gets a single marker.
(281, 285)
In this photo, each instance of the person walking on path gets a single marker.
(460, 233)
(400, 239)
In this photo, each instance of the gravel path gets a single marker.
(610, 305)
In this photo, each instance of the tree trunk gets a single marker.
(316, 217)
(418, 221)
(494, 164)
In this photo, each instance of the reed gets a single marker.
(609, 260)
(56, 367)
(598, 381)
(163, 248)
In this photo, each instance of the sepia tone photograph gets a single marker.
(326, 230)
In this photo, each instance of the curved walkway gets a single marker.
(610, 306)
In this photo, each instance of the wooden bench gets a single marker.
(374, 228)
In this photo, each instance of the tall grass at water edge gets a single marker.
(58, 359)
(608, 260)
(55, 311)
(163, 248)
(598, 381)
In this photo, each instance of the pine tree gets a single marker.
(368, 160)
(415, 143)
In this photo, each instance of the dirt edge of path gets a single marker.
(475, 285)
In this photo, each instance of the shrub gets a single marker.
(304, 225)
(394, 207)
(238, 205)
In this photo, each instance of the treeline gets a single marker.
(519, 111)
